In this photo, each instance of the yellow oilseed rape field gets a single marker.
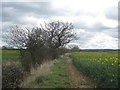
(101, 67)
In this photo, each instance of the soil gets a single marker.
(78, 80)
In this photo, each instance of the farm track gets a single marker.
(78, 80)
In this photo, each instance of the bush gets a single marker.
(12, 76)
(73, 48)
(26, 61)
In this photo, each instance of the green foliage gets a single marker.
(12, 76)
(101, 67)
(26, 61)
(73, 48)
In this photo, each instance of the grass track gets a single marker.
(57, 78)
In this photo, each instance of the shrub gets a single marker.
(74, 48)
(26, 61)
(12, 76)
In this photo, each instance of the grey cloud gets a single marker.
(80, 25)
(95, 28)
(104, 41)
(112, 32)
(13, 11)
(89, 33)
(26, 7)
(86, 36)
(112, 13)
(98, 27)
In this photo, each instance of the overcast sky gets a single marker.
(95, 21)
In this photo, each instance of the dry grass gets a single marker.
(40, 70)
(11, 63)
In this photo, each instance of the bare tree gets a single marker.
(17, 37)
(59, 33)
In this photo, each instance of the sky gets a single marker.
(95, 21)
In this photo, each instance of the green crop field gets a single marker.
(101, 67)
(10, 55)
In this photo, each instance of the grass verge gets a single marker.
(55, 77)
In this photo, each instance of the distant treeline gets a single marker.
(11, 49)
(99, 50)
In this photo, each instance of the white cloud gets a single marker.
(31, 20)
(109, 22)
(93, 6)
(102, 41)
(89, 12)
(111, 32)
(2, 43)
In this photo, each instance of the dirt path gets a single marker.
(78, 80)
